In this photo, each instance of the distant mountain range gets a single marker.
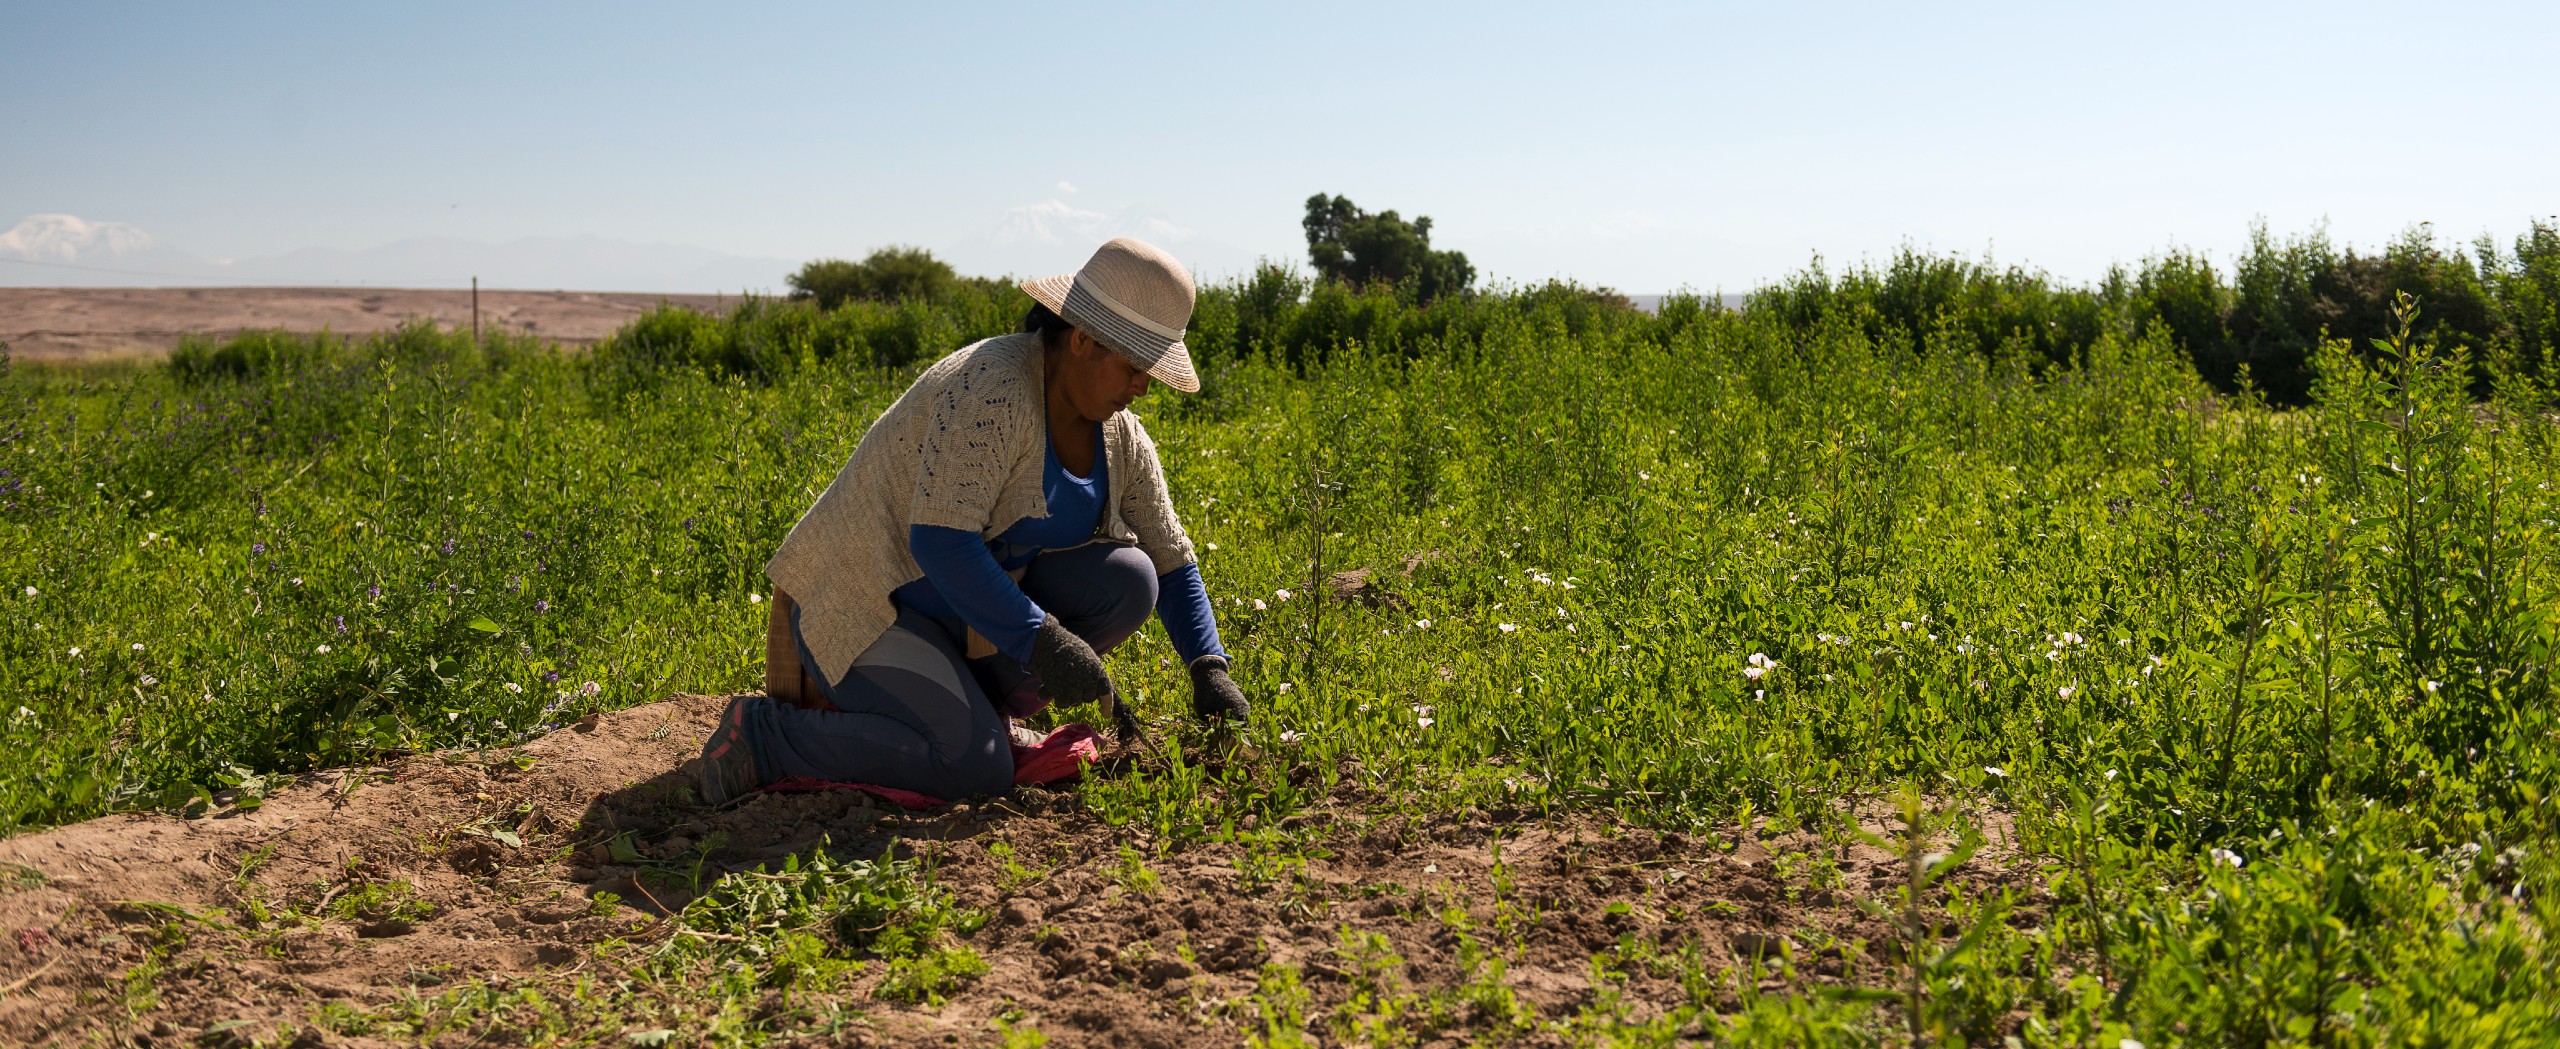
(1054, 236)
(69, 251)
(1050, 236)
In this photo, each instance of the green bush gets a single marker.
(250, 355)
(891, 274)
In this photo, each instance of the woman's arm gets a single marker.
(958, 565)
(1182, 602)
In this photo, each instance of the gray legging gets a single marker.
(912, 713)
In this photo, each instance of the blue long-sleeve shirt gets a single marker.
(965, 578)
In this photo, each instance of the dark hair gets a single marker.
(1053, 329)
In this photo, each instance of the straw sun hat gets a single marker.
(1135, 299)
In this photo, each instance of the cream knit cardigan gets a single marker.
(962, 448)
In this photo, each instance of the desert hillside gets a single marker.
(66, 323)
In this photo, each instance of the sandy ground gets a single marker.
(72, 323)
(154, 930)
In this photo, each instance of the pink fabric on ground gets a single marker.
(1060, 757)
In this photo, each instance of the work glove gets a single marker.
(1069, 671)
(1214, 695)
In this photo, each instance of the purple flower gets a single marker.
(688, 524)
(550, 677)
(515, 582)
(448, 547)
(257, 548)
(342, 624)
(542, 606)
(373, 592)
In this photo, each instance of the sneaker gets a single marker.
(728, 767)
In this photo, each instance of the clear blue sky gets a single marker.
(1640, 146)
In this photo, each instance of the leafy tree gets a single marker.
(890, 274)
(1348, 244)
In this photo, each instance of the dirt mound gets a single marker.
(378, 905)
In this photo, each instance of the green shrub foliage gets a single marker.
(2260, 696)
(891, 274)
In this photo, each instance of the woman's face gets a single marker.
(1097, 380)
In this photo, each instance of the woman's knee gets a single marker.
(1103, 593)
(1128, 581)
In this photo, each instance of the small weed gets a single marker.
(1133, 874)
(392, 900)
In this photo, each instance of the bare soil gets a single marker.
(131, 929)
(86, 323)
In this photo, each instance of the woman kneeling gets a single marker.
(998, 528)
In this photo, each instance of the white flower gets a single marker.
(1213, 547)
(2111, 775)
(1760, 659)
(75, 651)
(755, 599)
(515, 688)
(1906, 624)
(1424, 722)
(2066, 691)
(2128, 1043)
(31, 591)
(297, 580)
(1996, 771)
(1291, 735)
(149, 680)
(1754, 672)
(1422, 624)
(1258, 606)
(590, 689)
(323, 650)
(137, 646)
(1284, 595)
(1285, 687)
(2227, 856)
(1509, 627)
(2431, 686)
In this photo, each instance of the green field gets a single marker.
(2266, 688)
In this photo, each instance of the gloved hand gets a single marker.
(1214, 694)
(1069, 671)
